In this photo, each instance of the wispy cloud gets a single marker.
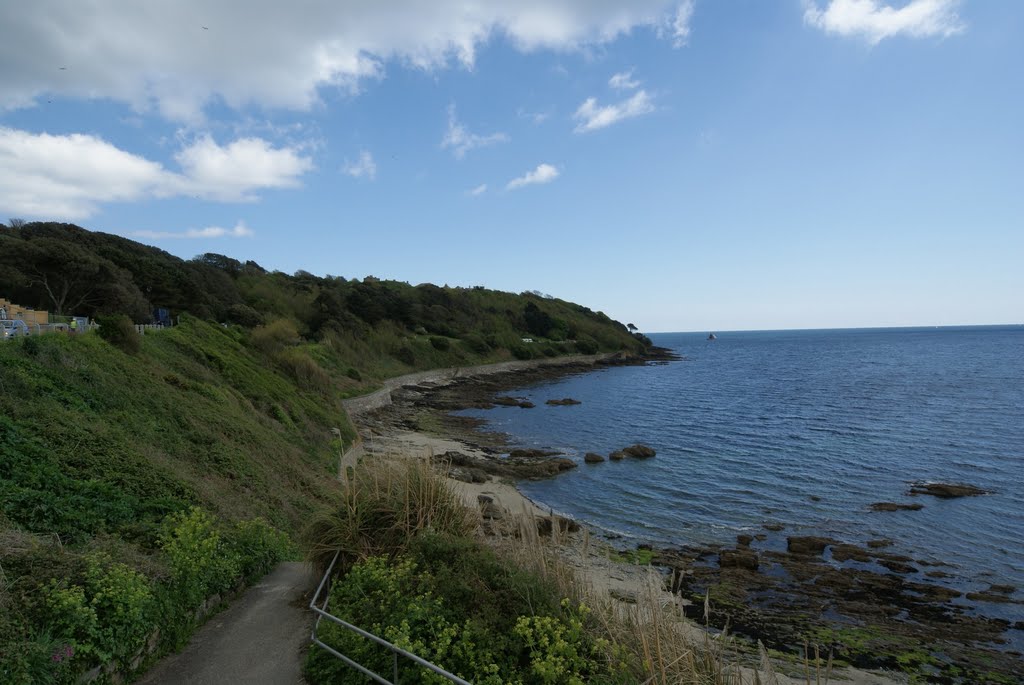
(623, 81)
(592, 117)
(364, 166)
(479, 190)
(544, 173)
(240, 230)
(875, 21)
(462, 141)
(535, 117)
(681, 23)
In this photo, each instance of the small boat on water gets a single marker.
(712, 336)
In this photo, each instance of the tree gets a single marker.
(632, 328)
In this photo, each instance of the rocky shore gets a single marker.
(864, 603)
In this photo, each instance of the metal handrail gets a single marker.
(322, 613)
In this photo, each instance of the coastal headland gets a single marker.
(881, 614)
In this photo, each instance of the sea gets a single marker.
(802, 428)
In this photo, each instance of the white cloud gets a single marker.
(623, 81)
(70, 176)
(544, 173)
(233, 172)
(681, 23)
(876, 21)
(364, 166)
(156, 55)
(462, 141)
(593, 117)
(479, 190)
(240, 230)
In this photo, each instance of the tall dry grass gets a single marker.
(385, 503)
(661, 643)
(389, 500)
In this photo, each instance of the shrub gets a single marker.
(476, 343)
(274, 337)
(258, 546)
(587, 346)
(455, 603)
(307, 373)
(199, 563)
(354, 374)
(243, 315)
(119, 331)
(439, 343)
(521, 352)
(405, 354)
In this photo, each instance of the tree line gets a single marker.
(69, 270)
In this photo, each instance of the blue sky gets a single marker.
(697, 165)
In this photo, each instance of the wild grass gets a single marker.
(382, 509)
(392, 503)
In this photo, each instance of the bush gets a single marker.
(119, 331)
(587, 346)
(455, 603)
(406, 355)
(243, 315)
(439, 343)
(274, 337)
(476, 343)
(521, 352)
(307, 373)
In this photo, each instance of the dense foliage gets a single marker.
(69, 270)
(456, 604)
(132, 487)
(142, 474)
(412, 573)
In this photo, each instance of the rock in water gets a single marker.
(895, 506)
(807, 544)
(738, 558)
(946, 490)
(617, 455)
(639, 451)
(564, 402)
(593, 458)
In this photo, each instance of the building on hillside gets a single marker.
(29, 316)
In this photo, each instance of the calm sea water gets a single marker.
(803, 428)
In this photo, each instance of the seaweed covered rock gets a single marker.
(947, 490)
(639, 451)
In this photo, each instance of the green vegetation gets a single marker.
(143, 477)
(133, 487)
(412, 573)
(641, 556)
(378, 328)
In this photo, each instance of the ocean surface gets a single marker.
(806, 429)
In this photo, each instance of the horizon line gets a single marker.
(841, 328)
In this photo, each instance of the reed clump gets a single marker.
(384, 506)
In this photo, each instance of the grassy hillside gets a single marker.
(378, 327)
(141, 475)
